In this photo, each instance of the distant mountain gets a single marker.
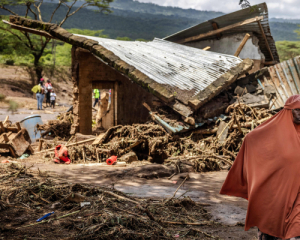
(151, 8)
(283, 20)
(136, 20)
(284, 31)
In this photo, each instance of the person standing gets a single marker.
(266, 173)
(96, 95)
(48, 88)
(52, 98)
(40, 94)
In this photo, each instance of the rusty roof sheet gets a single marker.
(232, 18)
(171, 64)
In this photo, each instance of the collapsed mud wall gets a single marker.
(88, 72)
(230, 43)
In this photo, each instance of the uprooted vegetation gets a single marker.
(58, 128)
(107, 214)
(210, 148)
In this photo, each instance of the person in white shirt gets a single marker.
(52, 98)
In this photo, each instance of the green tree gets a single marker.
(124, 38)
(288, 49)
(298, 31)
(32, 9)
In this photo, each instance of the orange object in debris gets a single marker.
(112, 160)
(5, 161)
(61, 155)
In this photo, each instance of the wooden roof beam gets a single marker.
(30, 30)
(215, 32)
(267, 43)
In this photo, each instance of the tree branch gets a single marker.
(29, 40)
(38, 9)
(82, 6)
(67, 15)
(26, 10)
(17, 36)
(35, 16)
(6, 9)
(59, 4)
(43, 47)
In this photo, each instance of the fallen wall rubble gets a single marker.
(60, 127)
(212, 147)
(14, 139)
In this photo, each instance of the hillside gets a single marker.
(145, 20)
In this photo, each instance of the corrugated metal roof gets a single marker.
(232, 18)
(172, 64)
(183, 77)
(285, 77)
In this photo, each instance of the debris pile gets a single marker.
(212, 148)
(14, 139)
(226, 137)
(60, 127)
(88, 212)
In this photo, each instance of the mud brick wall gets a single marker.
(130, 102)
(87, 70)
(75, 79)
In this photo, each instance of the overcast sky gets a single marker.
(277, 8)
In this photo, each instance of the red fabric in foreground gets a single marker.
(61, 152)
(267, 173)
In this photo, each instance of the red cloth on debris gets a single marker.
(267, 173)
(61, 153)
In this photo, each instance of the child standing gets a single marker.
(52, 98)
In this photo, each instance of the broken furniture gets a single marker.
(14, 139)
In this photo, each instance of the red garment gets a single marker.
(267, 173)
(61, 153)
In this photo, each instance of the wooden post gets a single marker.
(97, 155)
(116, 103)
(242, 44)
(264, 35)
(6, 120)
(2, 127)
(215, 32)
(206, 48)
(83, 154)
(40, 144)
(18, 126)
(5, 137)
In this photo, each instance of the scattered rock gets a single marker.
(269, 91)
(190, 120)
(252, 99)
(75, 197)
(251, 88)
(55, 205)
(129, 157)
(240, 91)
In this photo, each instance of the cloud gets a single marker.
(277, 8)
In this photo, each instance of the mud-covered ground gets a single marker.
(26, 195)
(140, 208)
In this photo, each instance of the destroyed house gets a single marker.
(178, 76)
(225, 33)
